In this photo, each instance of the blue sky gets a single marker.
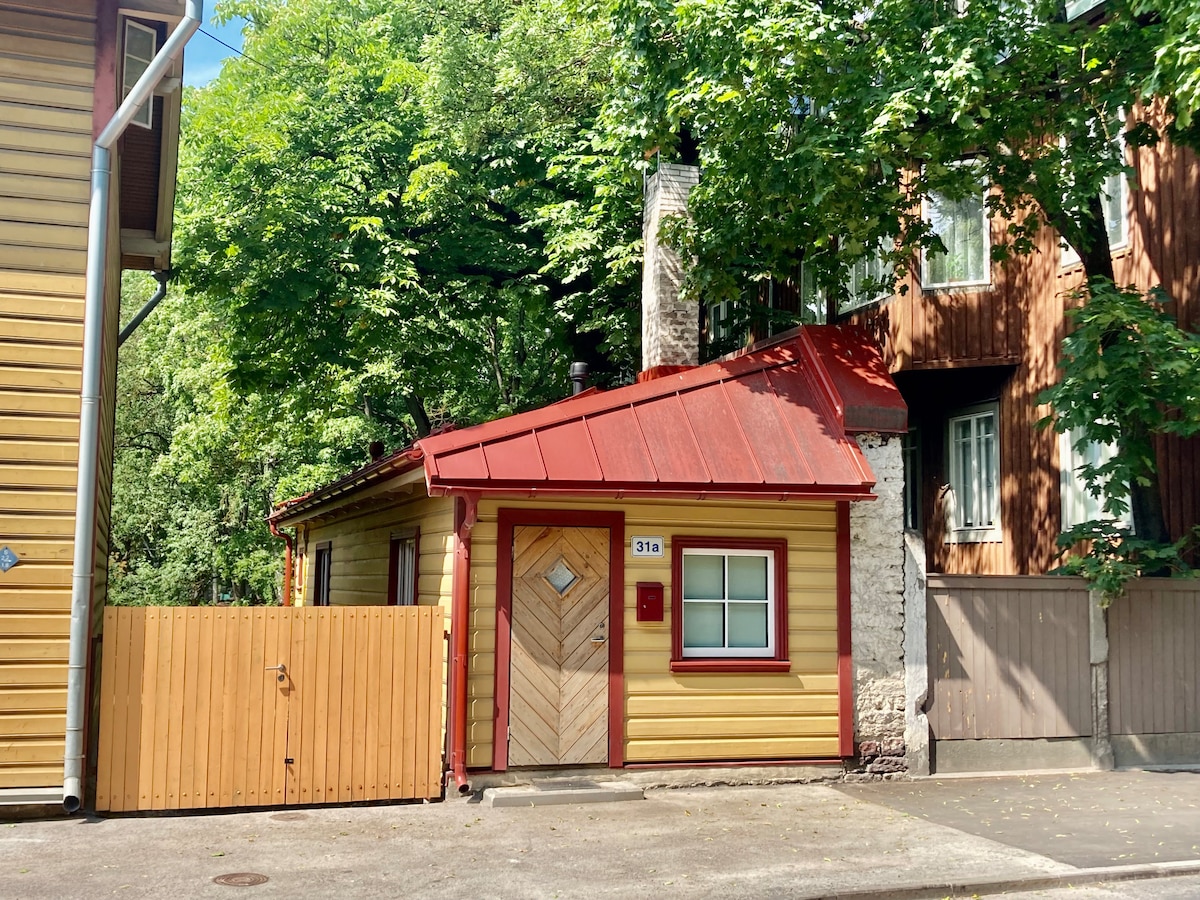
(203, 56)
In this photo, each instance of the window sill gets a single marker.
(975, 536)
(731, 665)
(959, 287)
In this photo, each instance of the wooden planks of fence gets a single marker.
(1154, 658)
(207, 707)
(1008, 657)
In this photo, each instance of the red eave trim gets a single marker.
(621, 491)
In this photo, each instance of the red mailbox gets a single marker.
(649, 601)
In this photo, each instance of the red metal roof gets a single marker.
(768, 423)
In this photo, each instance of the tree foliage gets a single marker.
(197, 464)
(400, 190)
(391, 216)
(1129, 376)
(823, 128)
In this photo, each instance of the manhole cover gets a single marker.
(290, 817)
(241, 879)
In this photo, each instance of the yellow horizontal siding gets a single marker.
(50, 190)
(39, 451)
(35, 649)
(696, 716)
(28, 623)
(46, 751)
(30, 354)
(360, 545)
(24, 775)
(30, 723)
(37, 526)
(734, 750)
(34, 402)
(24, 673)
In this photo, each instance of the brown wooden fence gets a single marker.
(1154, 658)
(228, 707)
(1008, 657)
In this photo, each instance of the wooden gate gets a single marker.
(227, 707)
(558, 706)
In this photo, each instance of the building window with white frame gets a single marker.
(1078, 504)
(141, 43)
(1114, 199)
(973, 440)
(728, 604)
(871, 280)
(963, 227)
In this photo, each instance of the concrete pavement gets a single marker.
(894, 839)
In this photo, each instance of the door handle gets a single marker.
(281, 669)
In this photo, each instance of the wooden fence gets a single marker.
(1008, 657)
(1154, 658)
(230, 707)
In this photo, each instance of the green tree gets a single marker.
(398, 190)
(1124, 361)
(823, 127)
(197, 465)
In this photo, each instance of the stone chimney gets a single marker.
(670, 326)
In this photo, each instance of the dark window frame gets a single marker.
(411, 584)
(779, 661)
(322, 573)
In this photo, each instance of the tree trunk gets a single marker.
(416, 409)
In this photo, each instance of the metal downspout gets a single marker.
(466, 510)
(84, 570)
(288, 544)
(162, 278)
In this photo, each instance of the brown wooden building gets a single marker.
(63, 64)
(972, 353)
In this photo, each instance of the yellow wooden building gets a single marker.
(65, 67)
(658, 574)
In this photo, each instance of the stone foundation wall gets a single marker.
(877, 611)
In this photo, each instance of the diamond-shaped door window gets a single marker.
(560, 577)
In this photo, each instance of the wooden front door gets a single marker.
(558, 693)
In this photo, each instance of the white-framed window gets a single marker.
(1078, 504)
(1115, 200)
(141, 43)
(973, 449)
(963, 227)
(728, 602)
(870, 282)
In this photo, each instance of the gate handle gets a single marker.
(279, 668)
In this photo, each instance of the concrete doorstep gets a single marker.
(560, 792)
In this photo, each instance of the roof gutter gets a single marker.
(84, 568)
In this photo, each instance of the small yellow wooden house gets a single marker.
(65, 67)
(659, 574)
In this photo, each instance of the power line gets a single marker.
(238, 52)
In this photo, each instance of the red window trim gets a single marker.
(780, 662)
(394, 566)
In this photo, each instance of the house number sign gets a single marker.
(645, 546)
